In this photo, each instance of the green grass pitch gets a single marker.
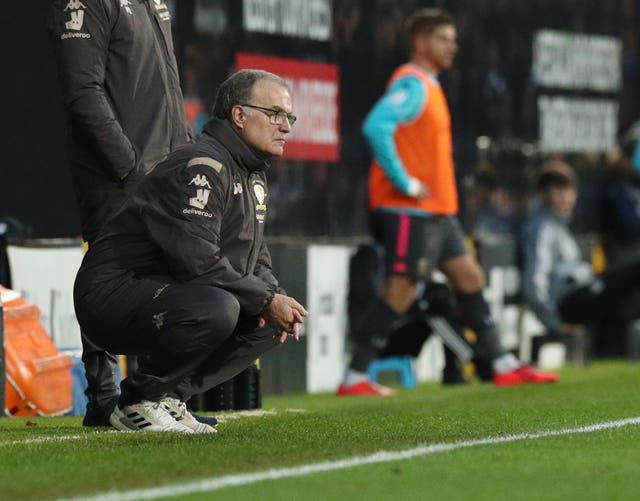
(55, 458)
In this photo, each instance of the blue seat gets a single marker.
(402, 365)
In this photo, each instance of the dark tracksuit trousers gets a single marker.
(100, 372)
(188, 338)
(615, 293)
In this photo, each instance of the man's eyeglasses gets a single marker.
(276, 117)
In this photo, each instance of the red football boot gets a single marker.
(364, 388)
(524, 374)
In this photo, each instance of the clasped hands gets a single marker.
(285, 315)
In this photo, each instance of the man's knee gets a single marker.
(475, 280)
(399, 293)
(465, 273)
(220, 314)
(203, 316)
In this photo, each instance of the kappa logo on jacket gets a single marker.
(200, 180)
(199, 202)
(202, 195)
(74, 5)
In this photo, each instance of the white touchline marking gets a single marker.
(228, 416)
(58, 438)
(222, 418)
(216, 483)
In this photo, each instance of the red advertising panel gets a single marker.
(314, 86)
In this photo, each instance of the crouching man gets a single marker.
(181, 276)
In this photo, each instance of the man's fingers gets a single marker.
(296, 331)
(298, 307)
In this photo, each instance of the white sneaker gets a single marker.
(145, 416)
(179, 412)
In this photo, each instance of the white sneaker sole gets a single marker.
(179, 412)
(121, 422)
(197, 427)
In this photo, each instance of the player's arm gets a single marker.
(81, 34)
(402, 103)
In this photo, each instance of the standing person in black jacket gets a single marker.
(181, 276)
(125, 113)
(620, 203)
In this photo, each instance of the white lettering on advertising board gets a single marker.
(316, 101)
(577, 125)
(577, 61)
(296, 18)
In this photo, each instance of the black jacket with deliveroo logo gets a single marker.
(198, 217)
(122, 97)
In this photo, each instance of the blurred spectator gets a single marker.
(193, 104)
(489, 207)
(619, 229)
(621, 200)
(552, 259)
(558, 285)
(495, 94)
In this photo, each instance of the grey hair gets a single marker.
(238, 89)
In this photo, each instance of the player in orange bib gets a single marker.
(414, 206)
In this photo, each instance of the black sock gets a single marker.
(372, 334)
(362, 357)
(476, 315)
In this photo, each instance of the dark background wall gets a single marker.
(35, 185)
(488, 90)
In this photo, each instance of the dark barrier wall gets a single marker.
(489, 90)
(35, 185)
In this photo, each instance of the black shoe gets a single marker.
(453, 371)
(483, 369)
(98, 415)
(453, 377)
(210, 420)
(538, 342)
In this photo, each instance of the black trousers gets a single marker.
(100, 371)
(188, 338)
(614, 294)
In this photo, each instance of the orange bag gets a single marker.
(38, 376)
